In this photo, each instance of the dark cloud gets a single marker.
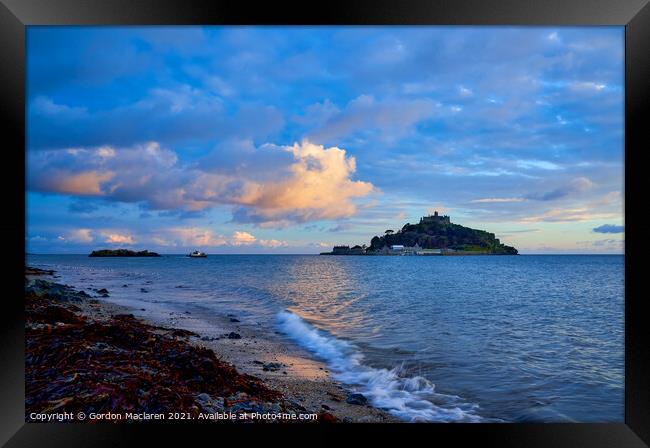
(609, 228)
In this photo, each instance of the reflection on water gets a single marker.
(323, 294)
(527, 338)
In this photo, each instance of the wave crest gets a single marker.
(408, 398)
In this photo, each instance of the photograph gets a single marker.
(301, 224)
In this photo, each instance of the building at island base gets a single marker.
(398, 249)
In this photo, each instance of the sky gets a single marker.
(293, 139)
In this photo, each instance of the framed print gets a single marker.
(368, 218)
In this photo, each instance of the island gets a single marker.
(122, 253)
(433, 235)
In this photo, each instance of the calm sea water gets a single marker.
(518, 338)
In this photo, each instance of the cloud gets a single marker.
(340, 227)
(178, 114)
(318, 187)
(464, 91)
(116, 238)
(390, 118)
(537, 164)
(497, 200)
(569, 215)
(588, 85)
(188, 237)
(606, 245)
(577, 185)
(88, 236)
(78, 236)
(199, 237)
(273, 243)
(84, 183)
(242, 238)
(613, 198)
(609, 228)
(303, 182)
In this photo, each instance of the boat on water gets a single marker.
(197, 254)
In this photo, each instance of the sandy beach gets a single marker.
(257, 371)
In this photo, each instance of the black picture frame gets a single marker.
(15, 15)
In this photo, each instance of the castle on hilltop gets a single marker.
(434, 235)
(435, 218)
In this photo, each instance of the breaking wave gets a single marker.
(408, 398)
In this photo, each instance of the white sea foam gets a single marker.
(408, 398)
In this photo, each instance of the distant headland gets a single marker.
(122, 253)
(433, 235)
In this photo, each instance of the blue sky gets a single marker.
(292, 139)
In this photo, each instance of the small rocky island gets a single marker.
(122, 253)
(433, 235)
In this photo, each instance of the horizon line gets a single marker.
(266, 253)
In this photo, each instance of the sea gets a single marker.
(527, 338)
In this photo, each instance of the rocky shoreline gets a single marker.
(91, 356)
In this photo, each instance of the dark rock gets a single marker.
(102, 291)
(232, 319)
(144, 290)
(272, 366)
(208, 338)
(326, 407)
(125, 286)
(233, 335)
(36, 271)
(356, 398)
(54, 291)
(182, 333)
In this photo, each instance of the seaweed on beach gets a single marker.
(76, 364)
